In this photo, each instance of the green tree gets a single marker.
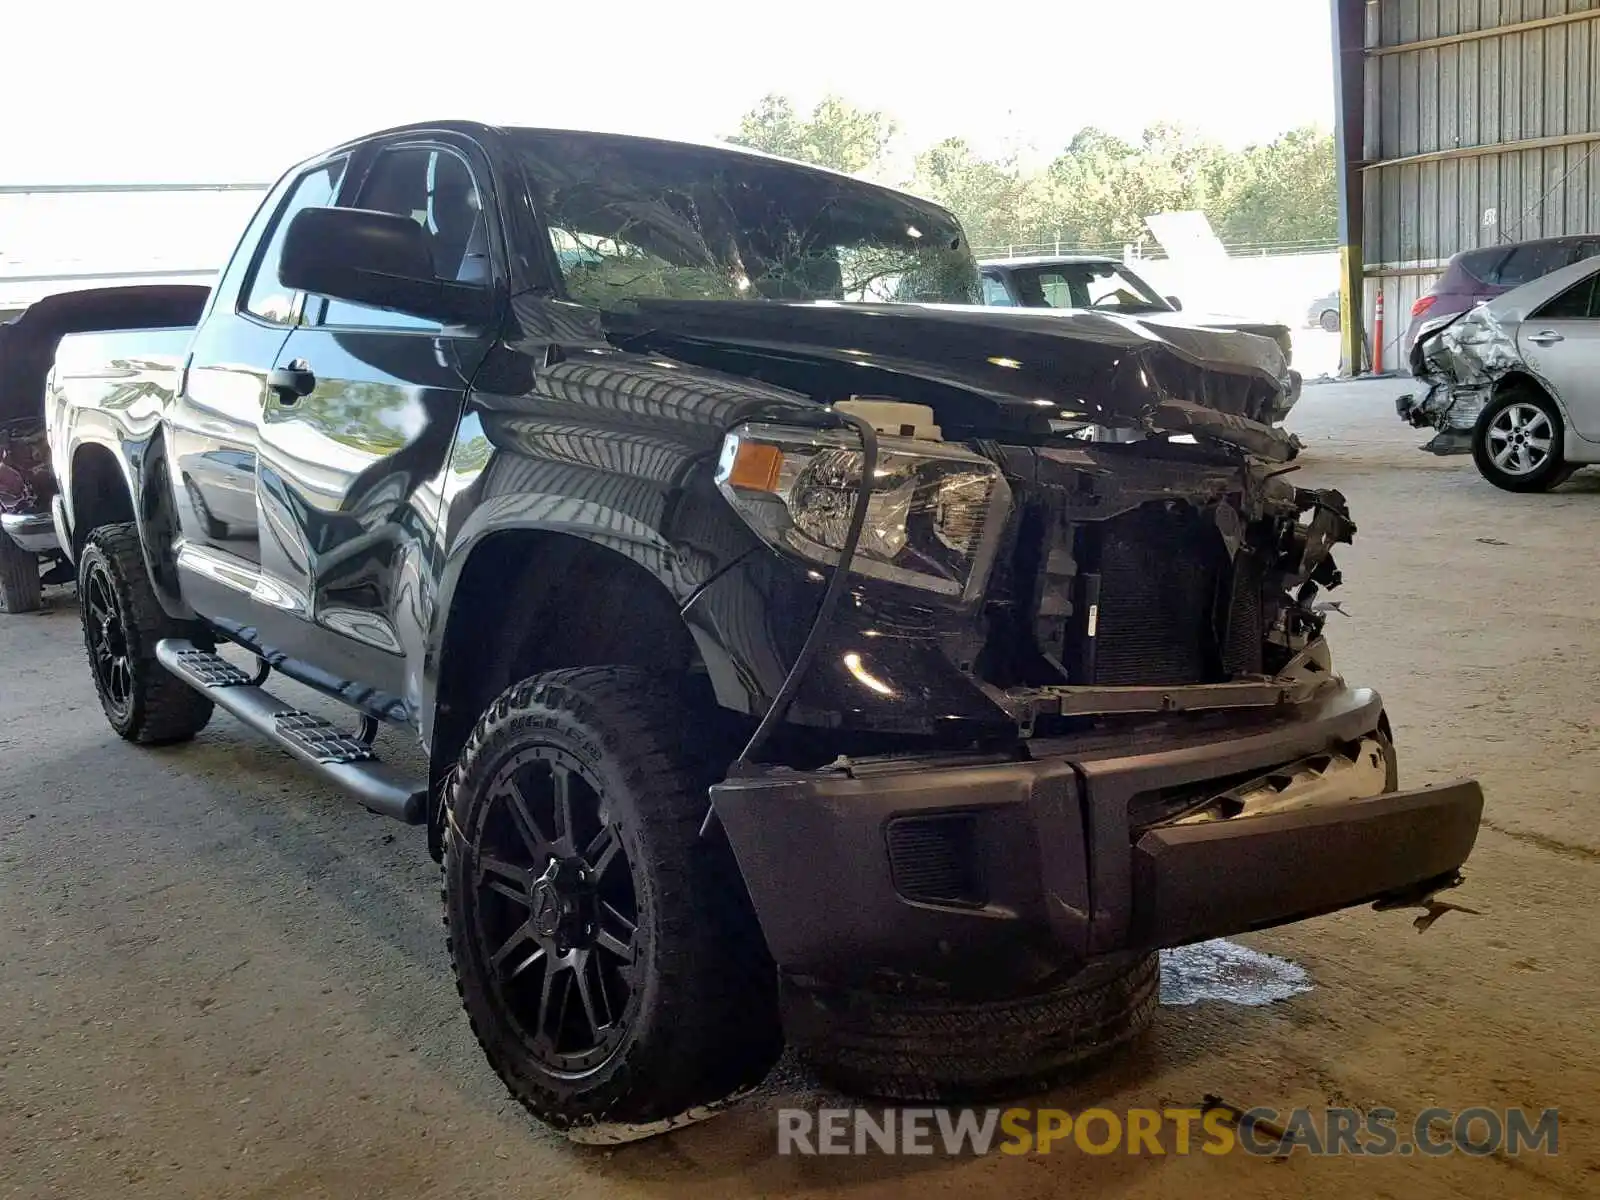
(836, 134)
(1097, 192)
(999, 204)
(1283, 191)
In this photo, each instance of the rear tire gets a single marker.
(122, 622)
(608, 959)
(1329, 321)
(1516, 443)
(20, 589)
(937, 1049)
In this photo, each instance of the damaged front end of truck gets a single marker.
(1085, 621)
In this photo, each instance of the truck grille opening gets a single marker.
(1149, 597)
(934, 859)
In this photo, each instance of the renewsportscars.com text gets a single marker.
(1434, 1132)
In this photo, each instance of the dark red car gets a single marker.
(28, 549)
(1474, 276)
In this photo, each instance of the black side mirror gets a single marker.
(1177, 305)
(378, 259)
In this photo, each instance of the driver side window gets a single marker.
(1578, 303)
(435, 188)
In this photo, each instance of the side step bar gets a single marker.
(339, 757)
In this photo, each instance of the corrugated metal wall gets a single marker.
(1537, 84)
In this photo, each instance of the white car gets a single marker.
(1516, 381)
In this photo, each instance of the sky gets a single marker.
(178, 91)
(175, 91)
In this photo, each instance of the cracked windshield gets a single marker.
(633, 222)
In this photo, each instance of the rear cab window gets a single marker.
(265, 297)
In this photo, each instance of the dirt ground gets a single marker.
(219, 979)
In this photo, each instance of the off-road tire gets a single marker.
(159, 708)
(706, 1019)
(924, 1048)
(1550, 473)
(19, 578)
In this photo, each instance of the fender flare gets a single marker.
(645, 551)
(142, 464)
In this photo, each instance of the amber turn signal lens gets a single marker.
(755, 467)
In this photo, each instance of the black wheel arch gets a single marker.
(130, 484)
(530, 601)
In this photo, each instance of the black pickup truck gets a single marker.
(801, 649)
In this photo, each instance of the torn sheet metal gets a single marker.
(1460, 363)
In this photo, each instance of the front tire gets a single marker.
(1329, 321)
(122, 622)
(945, 1049)
(20, 589)
(1516, 443)
(607, 955)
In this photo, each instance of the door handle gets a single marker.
(1546, 337)
(292, 383)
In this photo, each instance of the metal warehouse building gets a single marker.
(1461, 123)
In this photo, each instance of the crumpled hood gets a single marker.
(992, 371)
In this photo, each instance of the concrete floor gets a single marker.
(219, 979)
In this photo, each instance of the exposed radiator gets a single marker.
(1159, 569)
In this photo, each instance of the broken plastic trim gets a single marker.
(1356, 771)
(1424, 896)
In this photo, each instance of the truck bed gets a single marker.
(119, 327)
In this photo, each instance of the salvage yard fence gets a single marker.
(1148, 250)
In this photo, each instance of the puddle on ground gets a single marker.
(1230, 974)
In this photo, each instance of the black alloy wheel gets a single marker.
(122, 623)
(107, 640)
(557, 910)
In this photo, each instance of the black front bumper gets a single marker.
(969, 868)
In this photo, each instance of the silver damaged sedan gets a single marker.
(1515, 382)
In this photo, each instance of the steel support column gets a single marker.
(1349, 141)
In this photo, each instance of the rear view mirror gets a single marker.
(374, 258)
(1177, 305)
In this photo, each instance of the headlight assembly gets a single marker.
(934, 518)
